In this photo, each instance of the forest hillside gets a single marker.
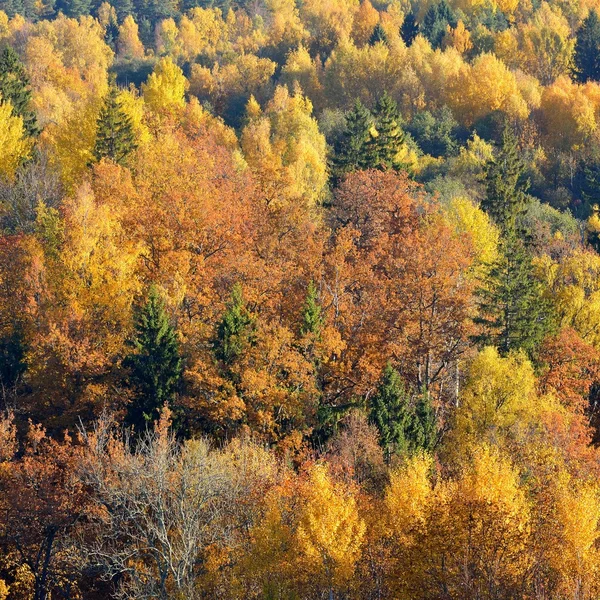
(300, 299)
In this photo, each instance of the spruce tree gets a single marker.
(390, 412)
(586, 57)
(123, 8)
(378, 36)
(592, 233)
(111, 34)
(115, 138)
(312, 318)
(589, 176)
(155, 365)
(409, 29)
(512, 312)
(354, 152)
(74, 8)
(505, 200)
(390, 137)
(14, 88)
(422, 429)
(436, 22)
(236, 329)
(435, 132)
(12, 360)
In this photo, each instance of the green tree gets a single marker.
(115, 138)
(13, 362)
(74, 8)
(312, 318)
(513, 312)
(155, 365)
(390, 137)
(434, 132)
(378, 36)
(390, 412)
(589, 178)
(422, 429)
(587, 49)
(123, 8)
(14, 88)
(409, 29)
(354, 151)
(436, 21)
(505, 200)
(236, 329)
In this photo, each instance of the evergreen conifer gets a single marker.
(115, 138)
(390, 137)
(512, 310)
(155, 365)
(586, 57)
(354, 151)
(236, 329)
(14, 88)
(505, 200)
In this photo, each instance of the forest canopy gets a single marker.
(300, 300)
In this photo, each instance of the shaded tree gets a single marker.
(436, 22)
(409, 29)
(312, 317)
(422, 431)
(353, 151)
(513, 312)
(390, 412)
(235, 331)
(14, 88)
(155, 365)
(390, 137)
(505, 200)
(13, 362)
(378, 36)
(115, 138)
(587, 49)
(435, 132)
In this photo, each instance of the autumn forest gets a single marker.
(300, 299)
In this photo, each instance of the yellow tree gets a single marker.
(129, 45)
(71, 143)
(407, 499)
(351, 72)
(303, 70)
(477, 542)
(568, 535)
(67, 61)
(285, 150)
(164, 92)
(365, 20)
(90, 284)
(285, 29)
(483, 87)
(574, 287)
(202, 31)
(330, 531)
(545, 44)
(167, 40)
(132, 104)
(499, 397)
(245, 75)
(269, 559)
(14, 145)
(569, 112)
(458, 38)
(328, 21)
(469, 219)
